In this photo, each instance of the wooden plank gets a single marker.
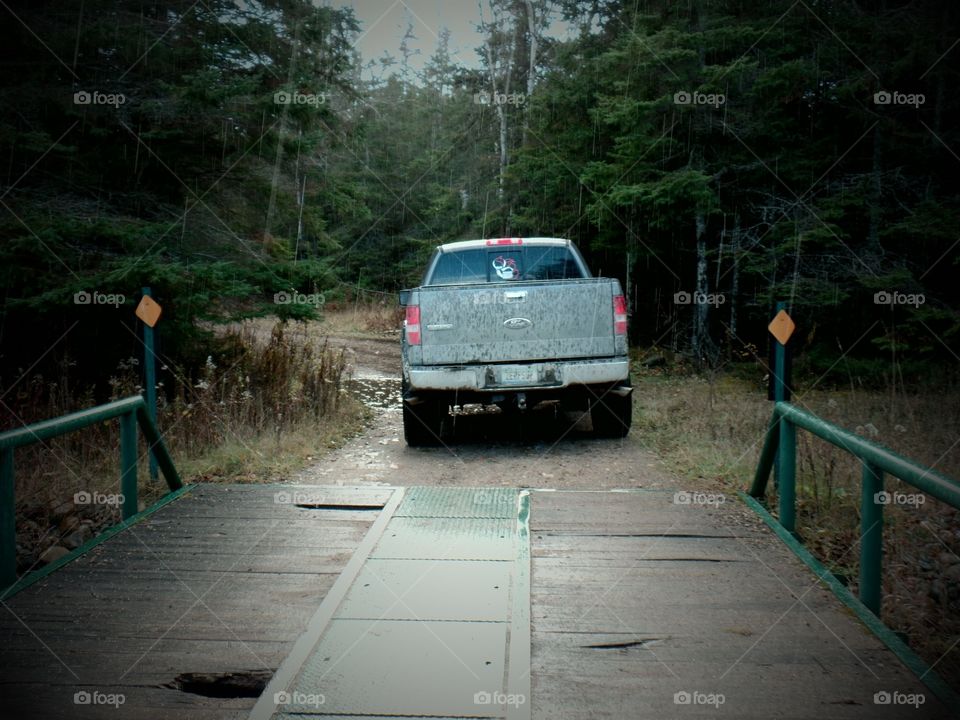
(130, 663)
(125, 617)
(641, 695)
(636, 598)
(56, 702)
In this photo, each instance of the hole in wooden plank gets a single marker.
(245, 684)
(622, 645)
(333, 506)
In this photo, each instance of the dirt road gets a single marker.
(534, 450)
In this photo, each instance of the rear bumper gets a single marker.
(518, 377)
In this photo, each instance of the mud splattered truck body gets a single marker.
(513, 322)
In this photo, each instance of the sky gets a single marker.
(383, 23)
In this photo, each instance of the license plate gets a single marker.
(518, 375)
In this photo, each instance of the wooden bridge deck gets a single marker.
(636, 604)
(222, 580)
(636, 599)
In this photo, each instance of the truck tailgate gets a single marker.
(517, 321)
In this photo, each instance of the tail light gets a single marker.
(619, 315)
(412, 325)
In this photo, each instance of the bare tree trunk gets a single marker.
(735, 275)
(502, 117)
(702, 346)
(532, 65)
(700, 306)
(500, 105)
(626, 287)
(300, 190)
(284, 111)
(875, 195)
(301, 197)
(501, 111)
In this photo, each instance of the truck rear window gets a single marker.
(486, 265)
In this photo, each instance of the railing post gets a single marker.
(158, 449)
(871, 537)
(787, 466)
(150, 383)
(128, 463)
(768, 457)
(8, 520)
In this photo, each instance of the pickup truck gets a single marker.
(513, 322)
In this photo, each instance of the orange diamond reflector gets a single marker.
(782, 327)
(149, 310)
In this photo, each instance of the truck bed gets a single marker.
(517, 321)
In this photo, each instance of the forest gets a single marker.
(715, 156)
(246, 162)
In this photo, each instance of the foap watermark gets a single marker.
(685, 497)
(684, 97)
(98, 298)
(298, 98)
(295, 697)
(497, 98)
(98, 498)
(499, 698)
(896, 697)
(482, 497)
(298, 298)
(695, 697)
(887, 297)
(495, 297)
(699, 298)
(898, 498)
(95, 697)
(296, 497)
(95, 97)
(885, 97)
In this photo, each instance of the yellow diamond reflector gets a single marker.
(782, 327)
(149, 310)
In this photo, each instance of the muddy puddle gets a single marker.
(383, 393)
(379, 392)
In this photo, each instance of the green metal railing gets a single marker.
(780, 446)
(131, 411)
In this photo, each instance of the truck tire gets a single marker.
(612, 415)
(423, 423)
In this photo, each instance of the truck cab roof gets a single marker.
(505, 242)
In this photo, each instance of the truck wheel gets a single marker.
(612, 415)
(423, 423)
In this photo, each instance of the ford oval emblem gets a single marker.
(517, 323)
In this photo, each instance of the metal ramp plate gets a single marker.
(477, 591)
(435, 623)
(459, 502)
(448, 538)
(404, 668)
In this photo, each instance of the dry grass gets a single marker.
(340, 320)
(270, 402)
(264, 385)
(712, 429)
(269, 457)
(362, 318)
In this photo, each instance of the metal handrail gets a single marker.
(780, 446)
(131, 411)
